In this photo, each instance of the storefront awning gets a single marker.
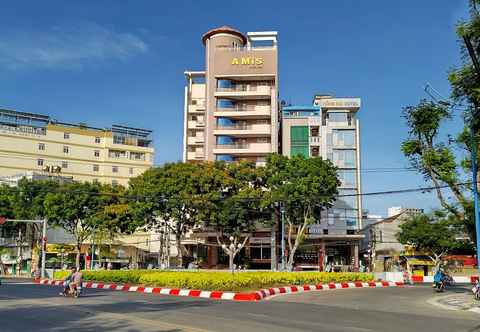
(415, 260)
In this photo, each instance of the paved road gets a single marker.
(27, 307)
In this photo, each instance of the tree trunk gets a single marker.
(77, 258)
(178, 241)
(291, 254)
(231, 256)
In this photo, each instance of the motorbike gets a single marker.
(440, 286)
(67, 292)
(476, 290)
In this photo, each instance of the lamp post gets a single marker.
(474, 126)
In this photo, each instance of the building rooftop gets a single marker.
(223, 29)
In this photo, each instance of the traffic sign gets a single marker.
(3, 220)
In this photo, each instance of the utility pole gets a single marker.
(474, 126)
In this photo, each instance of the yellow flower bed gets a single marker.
(226, 281)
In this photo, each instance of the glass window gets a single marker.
(64, 164)
(40, 162)
(114, 169)
(97, 140)
(41, 146)
(114, 182)
(348, 178)
(349, 158)
(96, 168)
(225, 103)
(96, 153)
(343, 137)
(66, 135)
(337, 117)
(130, 170)
(66, 149)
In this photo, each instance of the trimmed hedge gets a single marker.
(240, 281)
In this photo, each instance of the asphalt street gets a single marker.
(29, 307)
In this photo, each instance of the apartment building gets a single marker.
(39, 144)
(330, 129)
(231, 108)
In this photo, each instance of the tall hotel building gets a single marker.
(330, 129)
(37, 146)
(231, 108)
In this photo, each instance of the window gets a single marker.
(130, 170)
(348, 178)
(96, 153)
(299, 141)
(114, 182)
(337, 117)
(40, 162)
(66, 135)
(97, 140)
(66, 149)
(41, 146)
(343, 137)
(114, 169)
(263, 140)
(344, 158)
(96, 168)
(64, 164)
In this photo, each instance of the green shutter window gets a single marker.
(299, 141)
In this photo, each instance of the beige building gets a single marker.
(37, 143)
(231, 108)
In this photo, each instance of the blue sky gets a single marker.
(105, 62)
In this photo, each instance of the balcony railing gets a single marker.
(244, 109)
(244, 88)
(233, 146)
(235, 127)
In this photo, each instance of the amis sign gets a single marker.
(250, 61)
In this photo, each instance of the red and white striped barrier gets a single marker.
(457, 279)
(221, 295)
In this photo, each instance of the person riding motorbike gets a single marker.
(67, 281)
(438, 280)
(76, 281)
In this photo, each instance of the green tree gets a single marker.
(433, 234)
(232, 203)
(78, 208)
(435, 158)
(305, 187)
(168, 195)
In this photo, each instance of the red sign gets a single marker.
(3, 220)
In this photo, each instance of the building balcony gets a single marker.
(196, 124)
(245, 92)
(195, 140)
(199, 109)
(315, 140)
(195, 155)
(253, 130)
(244, 112)
(243, 148)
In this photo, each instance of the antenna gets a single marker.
(435, 95)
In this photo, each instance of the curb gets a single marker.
(221, 295)
(457, 279)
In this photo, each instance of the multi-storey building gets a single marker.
(231, 108)
(38, 143)
(330, 129)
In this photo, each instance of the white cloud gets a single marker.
(67, 46)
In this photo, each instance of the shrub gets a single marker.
(219, 280)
